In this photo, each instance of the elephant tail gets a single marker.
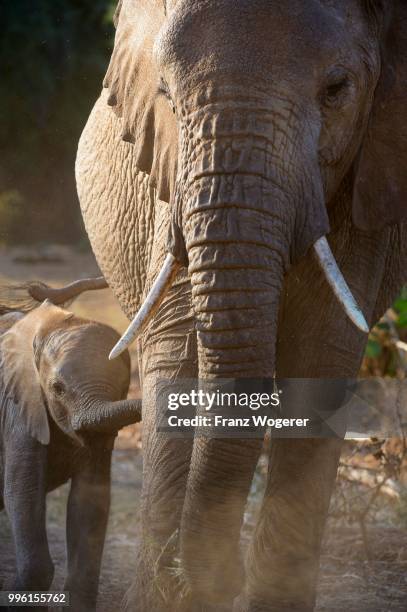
(27, 296)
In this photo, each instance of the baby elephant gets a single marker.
(61, 404)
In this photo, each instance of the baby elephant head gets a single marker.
(54, 363)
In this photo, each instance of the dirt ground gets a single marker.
(364, 561)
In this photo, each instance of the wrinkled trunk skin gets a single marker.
(237, 224)
(104, 416)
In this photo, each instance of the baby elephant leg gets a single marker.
(24, 498)
(88, 511)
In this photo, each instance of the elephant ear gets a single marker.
(132, 80)
(18, 348)
(380, 190)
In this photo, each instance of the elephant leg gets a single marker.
(24, 499)
(283, 559)
(166, 353)
(87, 516)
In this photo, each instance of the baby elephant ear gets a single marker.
(20, 376)
(133, 80)
(380, 191)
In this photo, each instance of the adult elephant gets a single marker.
(240, 134)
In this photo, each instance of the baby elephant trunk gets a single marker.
(108, 417)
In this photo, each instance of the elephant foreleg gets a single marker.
(167, 354)
(24, 499)
(87, 515)
(283, 561)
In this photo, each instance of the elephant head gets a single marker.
(249, 116)
(55, 363)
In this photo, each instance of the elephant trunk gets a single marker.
(102, 416)
(236, 275)
(237, 232)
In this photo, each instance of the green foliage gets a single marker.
(383, 355)
(400, 308)
(54, 55)
(374, 347)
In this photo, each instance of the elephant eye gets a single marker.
(58, 388)
(335, 91)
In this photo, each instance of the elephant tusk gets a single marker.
(150, 305)
(340, 287)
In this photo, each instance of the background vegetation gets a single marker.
(54, 54)
(386, 351)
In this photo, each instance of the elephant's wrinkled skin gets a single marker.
(61, 405)
(241, 131)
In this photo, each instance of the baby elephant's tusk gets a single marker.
(150, 305)
(334, 277)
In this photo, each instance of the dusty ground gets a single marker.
(362, 570)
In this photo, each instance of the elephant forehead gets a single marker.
(83, 349)
(72, 342)
(258, 36)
